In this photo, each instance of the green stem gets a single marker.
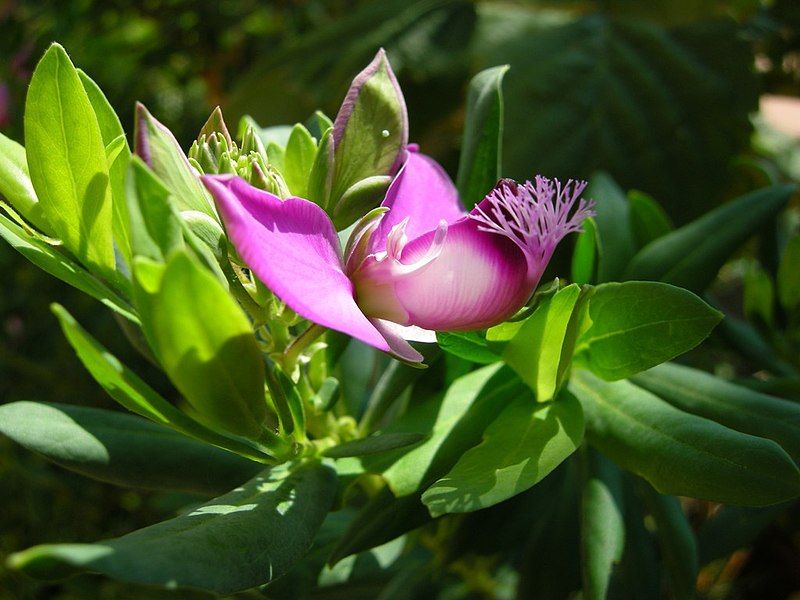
(300, 343)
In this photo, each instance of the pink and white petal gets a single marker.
(477, 280)
(292, 246)
(394, 336)
(421, 192)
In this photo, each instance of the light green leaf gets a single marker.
(321, 176)
(602, 524)
(110, 130)
(479, 167)
(541, 350)
(737, 407)
(16, 186)
(677, 542)
(789, 275)
(454, 422)
(67, 162)
(370, 132)
(208, 350)
(519, 448)
(374, 444)
(584, 257)
(632, 326)
(156, 145)
(301, 150)
(240, 540)
(680, 453)
(690, 256)
(470, 345)
(648, 220)
(124, 386)
(48, 259)
(615, 242)
(123, 449)
(155, 226)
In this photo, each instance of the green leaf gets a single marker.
(759, 294)
(541, 350)
(122, 449)
(383, 519)
(155, 226)
(242, 539)
(16, 186)
(301, 150)
(209, 350)
(156, 145)
(615, 242)
(788, 275)
(677, 542)
(124, 386)
(632, 326)
(110, 130)
(320, 178)
(67, 162)
(665, 110)
(470, 345)
(374, 444)
(519, 448)
(48, 259)
(733, 528)
(359, 198)
(680, 453)
(690, 256)
(479, 167)
(584, 257)
(454, 422)
(602, 524)
(648, 220)
(370, 132)
(737, 407)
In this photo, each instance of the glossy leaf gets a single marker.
(541, 350)
(731, 405)
(469, 345)
(602, 524)
(648, 220)
(209, 352)
(649, 437)
(301, 150)
(242, 539)
(124, 386)
(632, 326)
(615, 242)
(110, 130)
(479, 167)
(122, 449)
(16, 186)
(47, 258)
(519, 448)
(454, 422)
(690, 256)
(67, 161)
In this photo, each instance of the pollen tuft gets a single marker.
(534, 215)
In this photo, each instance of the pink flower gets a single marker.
(416, 265)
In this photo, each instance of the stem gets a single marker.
(279, 399)
(300, 343)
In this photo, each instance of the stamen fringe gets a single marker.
(535, 215)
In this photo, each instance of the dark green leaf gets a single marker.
(615, 242)
(479, 167)
(242, 539)
(733, 528)
(680, 453)
(123, 449)
(789, 275)
(731, 405)
(648, 220)
(519, 448)
(632, 326)
(691, 255)
(67, 161)
(374, 444)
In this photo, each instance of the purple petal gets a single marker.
(394, 334)
(424, 194)
(292, 246)
(467, 279)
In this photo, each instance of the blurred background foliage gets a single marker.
(661, 94)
